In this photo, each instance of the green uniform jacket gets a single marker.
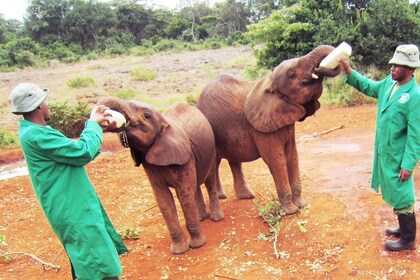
(397, 139)
(68, 199)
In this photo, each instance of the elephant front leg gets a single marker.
(186, 195)
(294, 175)
(276, 161)
(167, 207)
(242, 189)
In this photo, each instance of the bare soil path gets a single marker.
(344, 222)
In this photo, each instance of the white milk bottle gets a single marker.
(332, 60)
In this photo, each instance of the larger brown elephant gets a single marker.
(176, 149)
(257, 119)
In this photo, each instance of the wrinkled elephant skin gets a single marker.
(257, 119)
(176, 149)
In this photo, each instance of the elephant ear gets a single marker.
(172, 146)
(267, 110)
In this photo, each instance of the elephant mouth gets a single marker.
(124, 139)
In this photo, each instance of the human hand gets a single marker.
(345, 66)
(100, 115)
(404, 175)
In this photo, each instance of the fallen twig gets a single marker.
(328, 130)
(225, 276)
(45, 265)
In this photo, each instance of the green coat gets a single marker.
(68, 199)
(397, 139)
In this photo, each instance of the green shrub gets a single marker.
(81, 82)
(7, 138)
(142, 74)
(192, 98)
(337, 92)
(164, 45)
(254, 73)
(70, 120)
(127, 93)
(25, 58)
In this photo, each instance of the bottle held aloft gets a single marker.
(332, 60)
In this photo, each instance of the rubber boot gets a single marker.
(393, 232)
(408, 234)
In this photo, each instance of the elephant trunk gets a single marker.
(116, 104)
(317, 55)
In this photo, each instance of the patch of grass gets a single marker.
(81, 82)
(142, 74)
(7, 138)
(252, 73)
(208, 70)
(192, 98)
(127, 93)
(244, 61)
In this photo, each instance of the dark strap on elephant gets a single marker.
(124, 139)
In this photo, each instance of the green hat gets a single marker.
(406, 55)
(26, 97)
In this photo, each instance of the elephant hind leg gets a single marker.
(216, 214)
(220, 191)
(201, 205)
(242, 190)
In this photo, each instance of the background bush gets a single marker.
(68, 119)
(81, 82)
(7, 138)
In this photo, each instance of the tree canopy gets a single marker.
(69, 29)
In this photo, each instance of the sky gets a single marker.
(16, 8)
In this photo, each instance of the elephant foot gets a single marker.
(196, 242)
(299, 202)
(221, 195)
(289, 208)
(217, 215)
(203, 215)
(179, 247)
(245, 195)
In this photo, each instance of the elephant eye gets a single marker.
(291, 74)
(147, 115)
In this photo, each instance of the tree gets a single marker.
(86, 22)
(385, 25)
(133, 18)
(44, 17)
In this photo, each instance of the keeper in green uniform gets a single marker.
(68, 199)
(397, 139)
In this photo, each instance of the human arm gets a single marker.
(412, 145)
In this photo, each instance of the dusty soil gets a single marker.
(344, 222)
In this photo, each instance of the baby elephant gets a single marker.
(177, 150)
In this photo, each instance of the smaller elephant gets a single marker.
(177, 149)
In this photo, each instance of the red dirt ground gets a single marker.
(345, 220)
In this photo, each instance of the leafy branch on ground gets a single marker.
(6, 256)
(272, 215)
(129, 233)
